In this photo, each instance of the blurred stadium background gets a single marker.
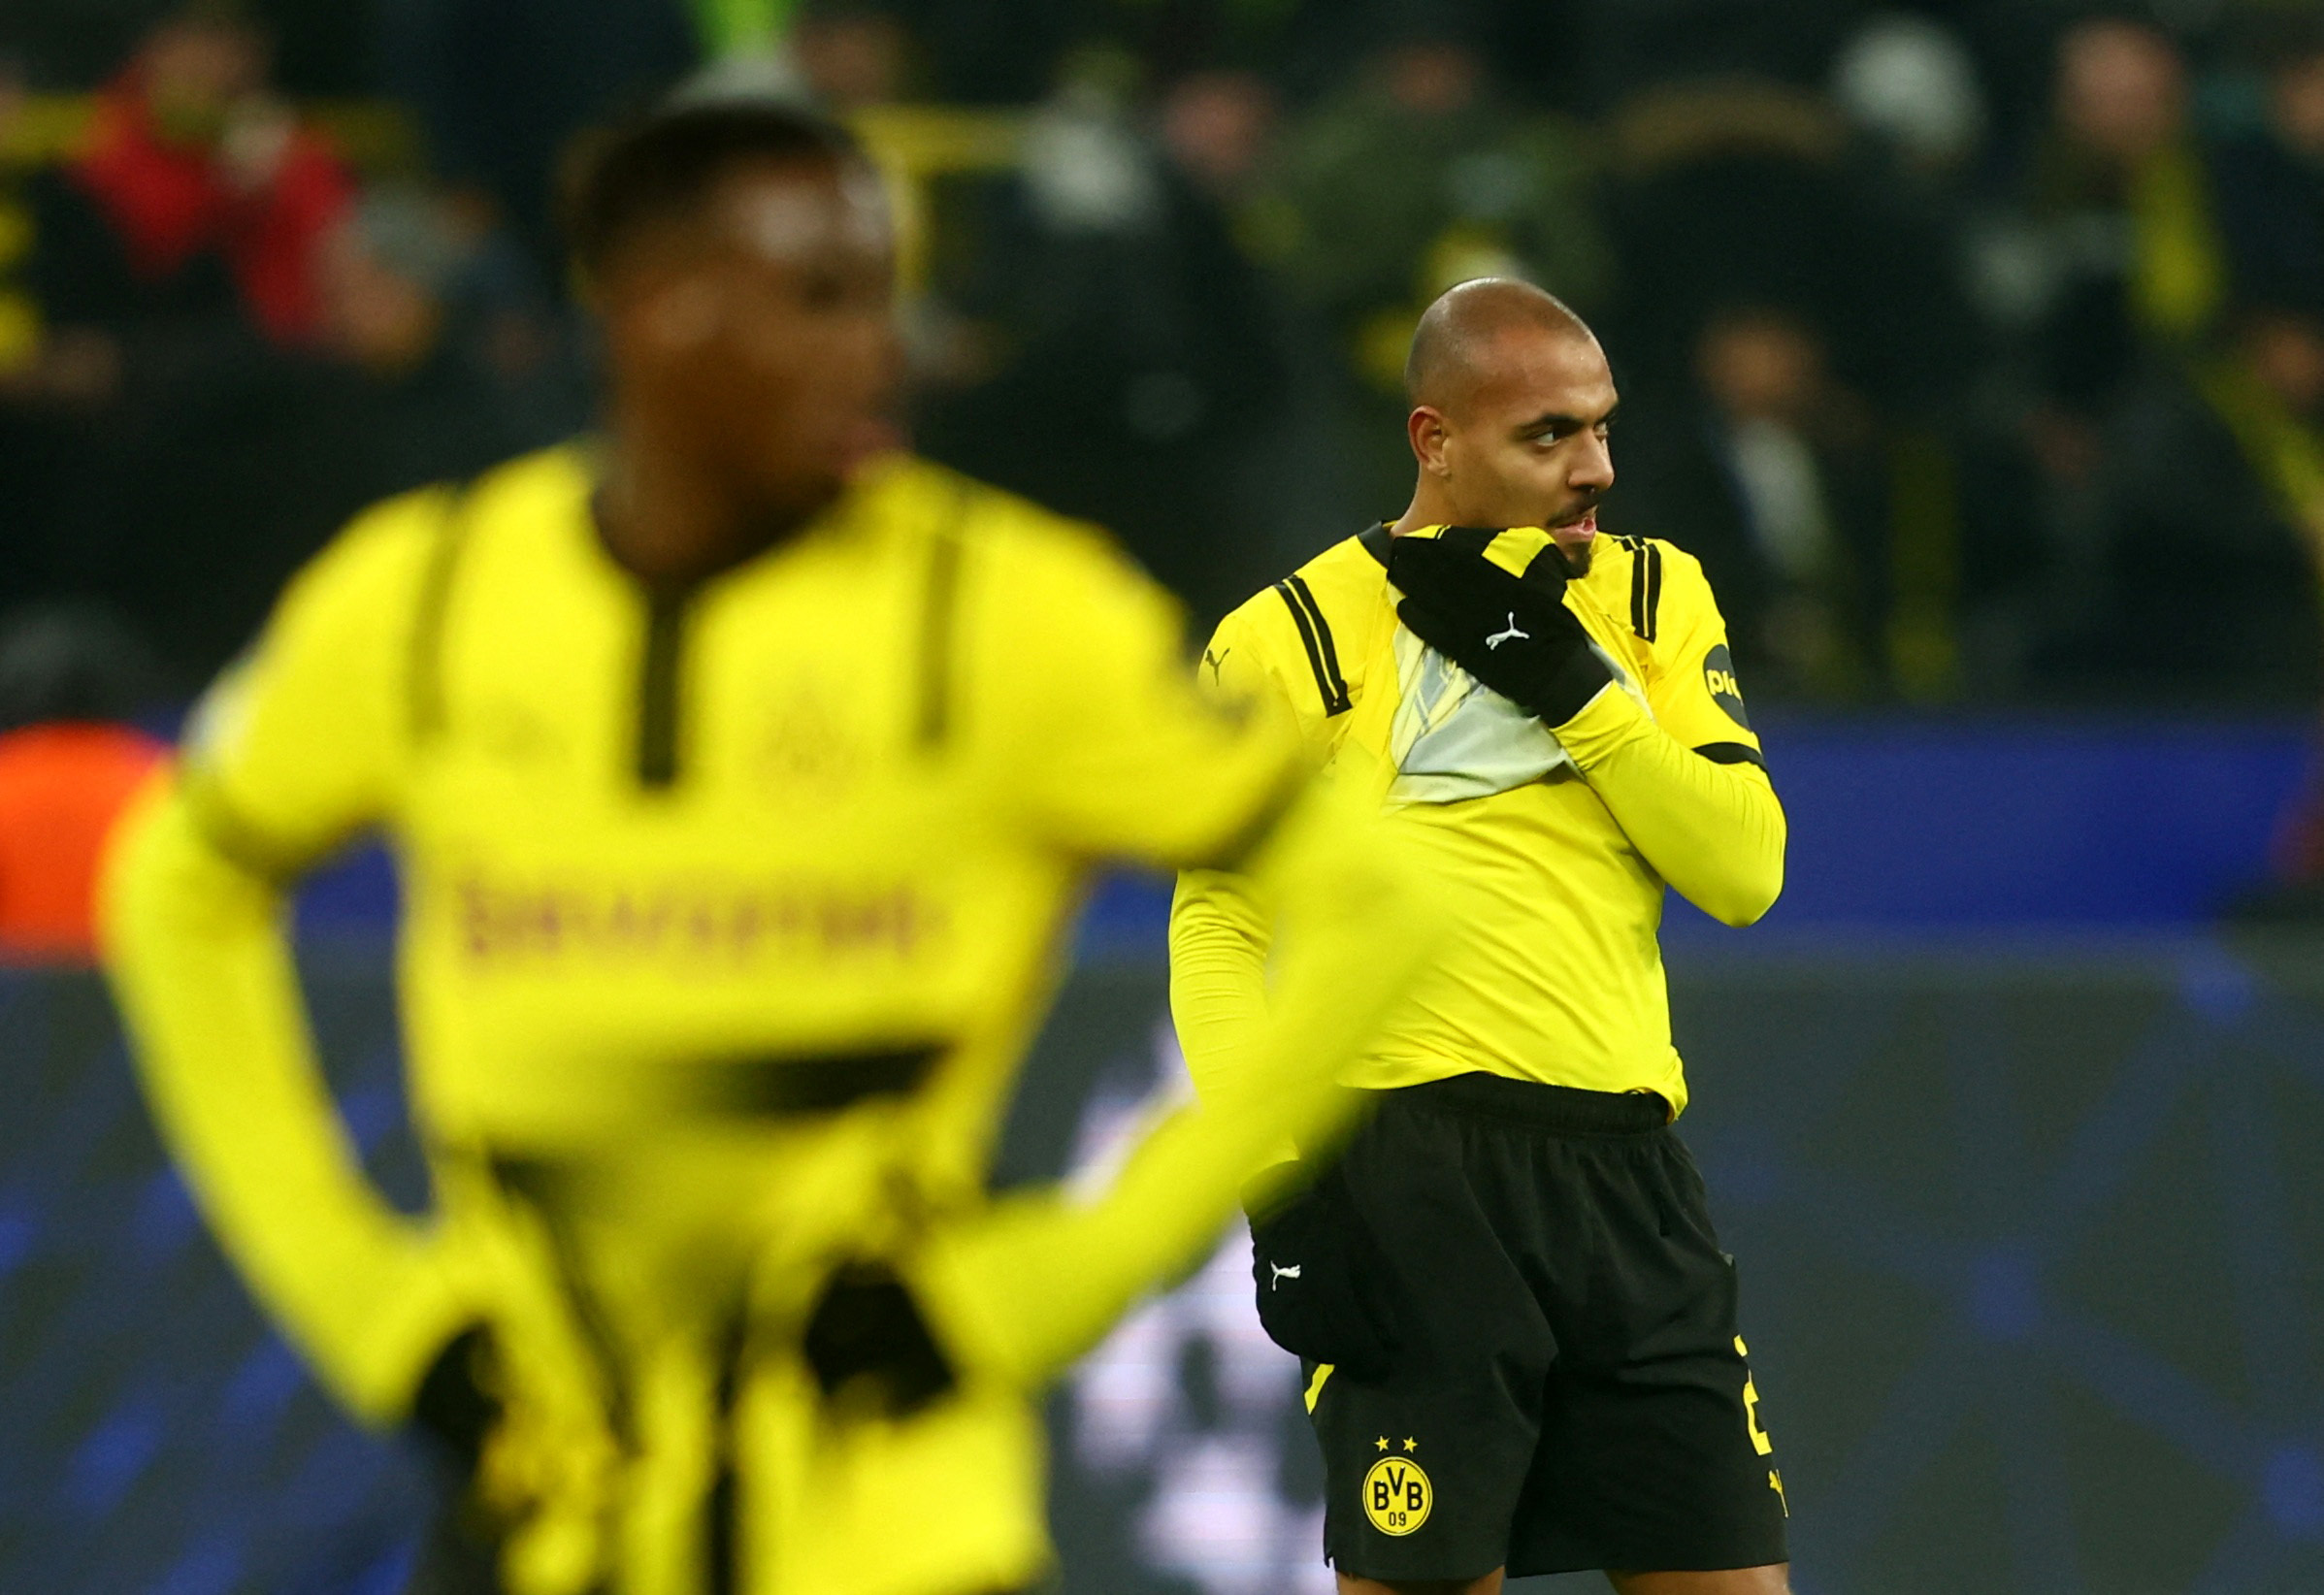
(1977, 347)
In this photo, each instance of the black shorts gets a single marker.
(1571, 1391)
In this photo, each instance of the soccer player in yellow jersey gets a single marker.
(743, 773)
(1519, 1330)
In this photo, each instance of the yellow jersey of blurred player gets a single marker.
(742, 774)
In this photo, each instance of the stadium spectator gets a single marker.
(439, 362)
(1119, 310)
(2271, 180)
(69, 764)
(1218, 127)
(1967, 548)
(1910, 83)
(2211, 526)
(2122, 206)
(1416, 174)
(423, 374)
(851, 56)
(176, 265)
(197, 190)
(19, 313)
(1742, 190)
(218, 473)
(1771, 476)
(845, 56)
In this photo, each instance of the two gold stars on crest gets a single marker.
(1410, 1444)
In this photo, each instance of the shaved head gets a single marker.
(1511, 401)
(1455, 348)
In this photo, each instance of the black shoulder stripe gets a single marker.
(1732, 753)
(1645, 586)
(1314, 612)
(423, 673)
(1316, 635)
(938, 623)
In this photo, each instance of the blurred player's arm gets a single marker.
(1035, 1284)
(291, 754)
(1687, 784)
(1179, 777)
(1220, 926)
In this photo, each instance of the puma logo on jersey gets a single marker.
(1281, 1274)
(1216, 662)
(1499, 637)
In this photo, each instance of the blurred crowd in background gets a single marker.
(1977, 348)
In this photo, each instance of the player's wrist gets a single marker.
(1610, 720)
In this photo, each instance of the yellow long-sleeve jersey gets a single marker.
(727, 917)
(1555, 843)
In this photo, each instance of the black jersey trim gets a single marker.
(1377, 542)
(535, 1188)
(1236, 851)
(1340, 683)
(722, 1506)
(1645, 586)
(423, 670)
(1732, 753)
(939, 626)
(1315, 634)
(781, 1084)
(234, 838)
(661, 686)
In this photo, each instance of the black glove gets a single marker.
(1322, 1292)
(1512, 633)
(866, 1340)
(456, 1407)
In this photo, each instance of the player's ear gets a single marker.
(1425, 427)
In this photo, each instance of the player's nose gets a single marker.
(1592, 468)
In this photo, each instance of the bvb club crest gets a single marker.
(1397, 1495)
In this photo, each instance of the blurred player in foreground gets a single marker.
(1519, 1330)
(743, 771)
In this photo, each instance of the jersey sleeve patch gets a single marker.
(1718, 678)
